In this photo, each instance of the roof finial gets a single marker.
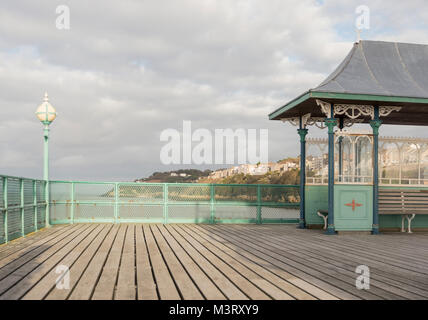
(46, 98)
(358, 31)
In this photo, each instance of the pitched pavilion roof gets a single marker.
(377, 73)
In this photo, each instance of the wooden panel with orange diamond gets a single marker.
(353, 207)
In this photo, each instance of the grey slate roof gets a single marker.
(381, 68)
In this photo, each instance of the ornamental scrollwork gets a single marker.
(325, 107)
(386, 110)
(354, 111)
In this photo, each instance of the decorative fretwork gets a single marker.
(325, 107)
(386, 110)
(354, 111)
(350, 122)
(293, 121)
(317, 121)
(307, 120)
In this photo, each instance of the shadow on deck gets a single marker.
(188, 261)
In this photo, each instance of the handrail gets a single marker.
(22, 200)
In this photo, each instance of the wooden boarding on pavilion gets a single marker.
(377, 83)
(189, 261)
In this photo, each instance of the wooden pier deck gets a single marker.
(188, 261)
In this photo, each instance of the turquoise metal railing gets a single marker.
(22, 207)
(77, 201)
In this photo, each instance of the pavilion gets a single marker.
(377, 83)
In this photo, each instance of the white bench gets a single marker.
(406, 202)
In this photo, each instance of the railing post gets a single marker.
(212, 207)
(21, 189)
(116, 202)
(165, 203)
(259, 205)
(375, 124)
(35, 204)
(330, 124)
(302, 131)
(47, 215)
(6, 232)
(72, 204)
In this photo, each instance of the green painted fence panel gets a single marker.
(21, 202)
(172, 202)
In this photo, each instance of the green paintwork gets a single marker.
(366, 97)
(343, 96)
(357, 217)
(290, 105)
(19, 207)
(46, 168)
(172, 202)
(316, 199)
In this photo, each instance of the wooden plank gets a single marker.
(25, 254)
(146, 286)
(23, 243)
(361, 252)
(80, 265)
(231, 291)
(187, 288)
(205, 285)
(247, 287)
(126, 287)
(393, 262)
(86, 284)
(31, 260)
(356, 246)
(31, 273)
(85, 248)
(262, 271)
(359, 257)
(310, 275)
(300, 289)
(293, 249)
(218, 261)
(247, 268)
(165, 284)
(317, 253)
(106, 285)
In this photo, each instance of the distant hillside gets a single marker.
(288, 177)
(182, 175)
(289, 159)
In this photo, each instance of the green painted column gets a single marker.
(340, 139)
(46, 171)
(375, 124)
(302, 133)
(330, 123)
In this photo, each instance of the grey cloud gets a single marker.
(128, 70)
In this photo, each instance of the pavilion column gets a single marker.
(375, 124)
(340, 139)
(302, 131)
(330, 123)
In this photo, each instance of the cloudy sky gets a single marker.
(127, 70)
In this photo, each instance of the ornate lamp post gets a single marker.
(46, 113)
